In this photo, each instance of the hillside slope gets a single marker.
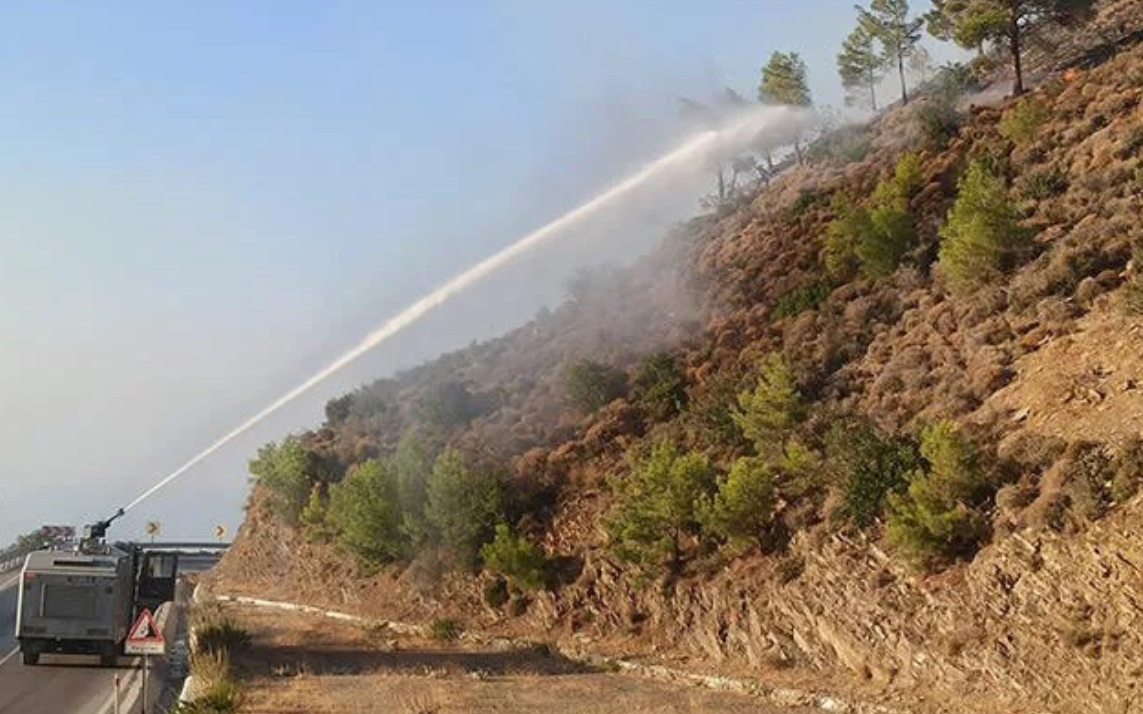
(944, 503)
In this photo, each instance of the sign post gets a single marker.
(144, 639)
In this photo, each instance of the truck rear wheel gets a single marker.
(30, 657)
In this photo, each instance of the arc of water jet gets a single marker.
(458, 284)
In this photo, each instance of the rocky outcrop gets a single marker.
(1038, 620)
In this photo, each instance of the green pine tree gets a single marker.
(284, 469)
(859, 65)
(740, 511)
(656, 509)
(971, 23)
(765, 413)
(938, 518)
(888, 22)
(982, 235)
(463, 507)
(364, 510)
(784, 83)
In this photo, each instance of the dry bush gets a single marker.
(1042, 184)
(1023, 120)
(1076, 489)
(1128, 470)
(445, 629)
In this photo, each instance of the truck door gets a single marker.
(157, 578)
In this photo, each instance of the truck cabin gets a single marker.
(156, 579)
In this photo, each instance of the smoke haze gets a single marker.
(189, 233)
(758, 128)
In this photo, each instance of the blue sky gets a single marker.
(202, 202)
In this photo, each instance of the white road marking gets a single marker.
(9, 656)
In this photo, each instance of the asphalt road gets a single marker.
(61, 684)
(7, 612)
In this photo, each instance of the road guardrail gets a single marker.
(12, 558)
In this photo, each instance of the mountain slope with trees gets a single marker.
(803, 435)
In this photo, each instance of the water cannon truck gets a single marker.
(83, 599)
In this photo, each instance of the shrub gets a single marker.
(314, 516)
(1022, 121)
(888, 233)
(221, 638)
(772, 408)
(1133, 288)
(660, 386)
(938, 121)
(741, 509)
(868, 467)
(1128, 470)
(448, 405)
(462, 507)
(908, 178)
(800, 471)
(518, 605)
(1090, 470)
(953, 80)
(806, 296)
(284, 470)
(876, 238)
(445, 629)
(516, 558)
(1042, 184)
(1132, 143)
(981, 236)
(496, 593)
(1133, 296)
(338, 409)
(806, 200)
(369, 402)
(209, 666)
(591, 385)
(936, 519)
(995, 160)
(843, 234)
(789, 569)
(221, 697)
(656, 506)
(843, 146)
(365, 512)
(708, 421)
(889, 237)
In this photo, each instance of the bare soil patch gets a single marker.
(305, 663)
(1087, 385)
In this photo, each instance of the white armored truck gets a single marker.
(83, 601)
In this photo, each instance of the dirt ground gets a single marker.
(306, 663)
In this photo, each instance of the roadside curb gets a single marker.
(778, 696)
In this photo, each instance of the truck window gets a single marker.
(161, 565)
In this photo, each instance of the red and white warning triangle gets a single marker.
(145, 630)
